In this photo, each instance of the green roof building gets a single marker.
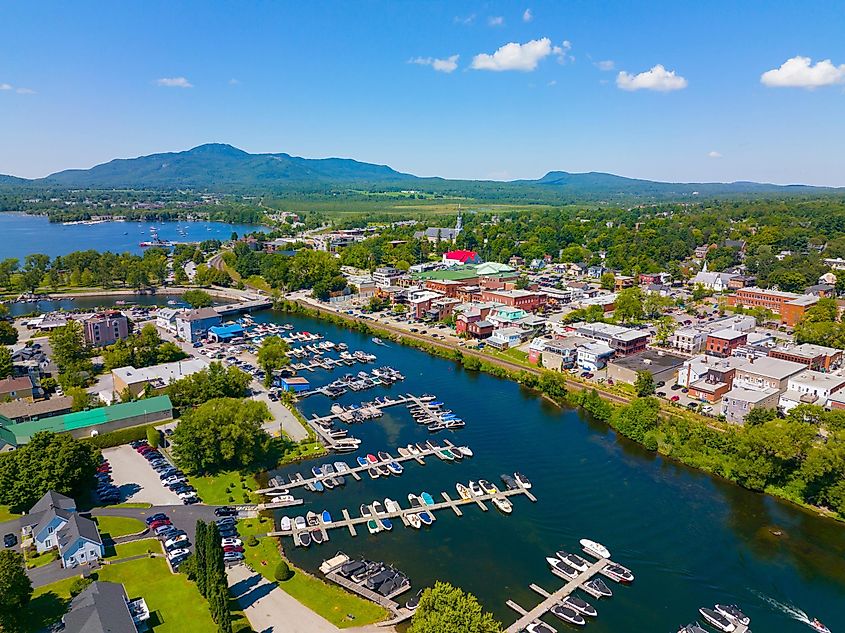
(92, 422)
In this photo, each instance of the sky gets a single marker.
(672, 91)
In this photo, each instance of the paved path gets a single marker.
(183, 517)
(282, 417)
(266, 607)
(53, 572)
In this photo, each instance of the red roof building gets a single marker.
(461, 257)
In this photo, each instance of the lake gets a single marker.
(690, 539)
(25, 234)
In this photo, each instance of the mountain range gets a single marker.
(217, 166)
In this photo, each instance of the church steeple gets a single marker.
(459, 225)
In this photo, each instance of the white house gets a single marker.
(166, 319)
(506, 337)
(594, 356)
(713, 281)
(53, 523)
(810, 387)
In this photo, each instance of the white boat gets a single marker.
(465, 450)
(717, 620)
(522, 480)
(463, 491)
(475, 489)
(594, 548)
(733, 613)
(503, 504)
(391, 506)
(285, 524)
(414, 521)
(283, 499)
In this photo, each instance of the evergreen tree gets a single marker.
(200, 555)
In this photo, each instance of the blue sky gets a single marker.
(681, 94)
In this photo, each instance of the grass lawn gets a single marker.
(119, 526)
(133, 548)
(132, 505)
(6, 515)
(212, 488)
(329, 601)
(39, 560)
(48, 605)
(175, 604)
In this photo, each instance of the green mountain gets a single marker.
(218, 165)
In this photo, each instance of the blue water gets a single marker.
(22, 234)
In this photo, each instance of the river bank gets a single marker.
(578, 394)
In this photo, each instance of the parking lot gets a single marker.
(137, 481)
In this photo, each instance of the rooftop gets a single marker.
(769, 367)
(101, 608)
(808, 350)
(728, 334)
(166, 372)
(750, 395)
(651, 360)
(200, 314)
(816, 380)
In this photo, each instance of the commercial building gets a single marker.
(385, 276)
(225, 333)
(295, 384)
(461, 257)
(562, 354)
(105, 328)
(724, 342)
(692, 339)
(788, 305)
(707, 377)
(661, 365)
(166, 319)
(24, 410)
(810, 387)
(739, 402)
(766, 373)
(622, 340)
(593, 356)
(156, 377)
(194, 324)
(103, 607)
(817, 357)
(527, 300)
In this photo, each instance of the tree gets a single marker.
(644, 383)
(447, 608)
(272, 356)
(70, 354)
(6, 365)
(629, 305)
(200, 546)
(197, 298)
(47, 462)
(222, 433)
(608, 281)
(8, 333)
(15, 590)
(216, 381)
(81, 398)
(282, 572)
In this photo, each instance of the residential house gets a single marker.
(646, 279)
(18, 388)
(708, 378)
(593, 356)
(194, 324)
(506, 316)
(766, 372)
(516, 261)
(810, 387)
(740, 401)
(620, 282)
(386, 276)
(103, 607)
(166, 319)
(105, 328)
(24, 410)
(688, 339)
(480, 329)
(595, 271)
(507, 337)
(562, 354)
(53, 522)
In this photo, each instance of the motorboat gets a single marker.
(372, 459)
(427, 499)
(287, 499)
(325, 517)
(573, 560)
(395, 468)
(365, 511)
(695, 627)
(717, 620)
(466, 451)
(414, 602)
(426, 518)
(285, 524)
(539, 626)
(503, 504)
(378, 507)
(522, 480)
(599, 587)
(413, 450)
(414, 520)
(299, 523)
(403, 452)
(341, 467)
(463, 491)
(317, 471)
(312, 519)
(510, 482)
(385, 456)
(421, 448)
(362, 461)
(581, 606)
(475, 489)
(373, 473)
(453, 453)
(328, 469)
(446, 454)
(733, 613)
(568, 614)
(317, 537)
(436, 427)
(594, 548)
(563, 568)
(339, 480)
(391, 506)
(304, 539)
(373, 526)
(383, 470)
(385, 523)
(414, 500)
(351, 568)
(318, 486)
(818, 626)
(329, 483)
(619, 573)
(488, 488)
(432, 446)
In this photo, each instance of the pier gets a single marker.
(552, 599)
(353, 472)
(350, 522)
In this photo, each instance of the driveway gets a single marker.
(267, 607)
(282, 417)
(137, 481)
(183, 517)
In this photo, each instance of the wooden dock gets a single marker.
(354, 472)
(526, 617)
(350, 522)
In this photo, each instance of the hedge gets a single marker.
(119, 437)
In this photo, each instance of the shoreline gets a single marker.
(420, 343)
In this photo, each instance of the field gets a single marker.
(212, 489)
(119, 526)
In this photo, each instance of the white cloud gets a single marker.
(174, 82)
(657, 78)
(446, 65)
(495, 20)
(25, 91)
(5, 86)
(234, 82)
(465, 20)
(606, 65)
(523, 57)
(527, 16)
(562, 52)
(553, 82)
(800, 72)
(714, 154)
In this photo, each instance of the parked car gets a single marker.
(233, 548)
(158, 516)
(176, 540)
(675, 398)
(225, 511)
(232, 557)
(178, 560)
(225, 521)
(230, 541)
(191, 500)
(177, 552)
(10, 540)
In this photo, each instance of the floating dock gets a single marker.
(350, 522)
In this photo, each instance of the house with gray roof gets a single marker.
(53, 523)
(104, 608)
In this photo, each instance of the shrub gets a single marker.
(282, 572)
(231, 499)
(79, 585)
(251, 541)
(153, 436)
(118, 438)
